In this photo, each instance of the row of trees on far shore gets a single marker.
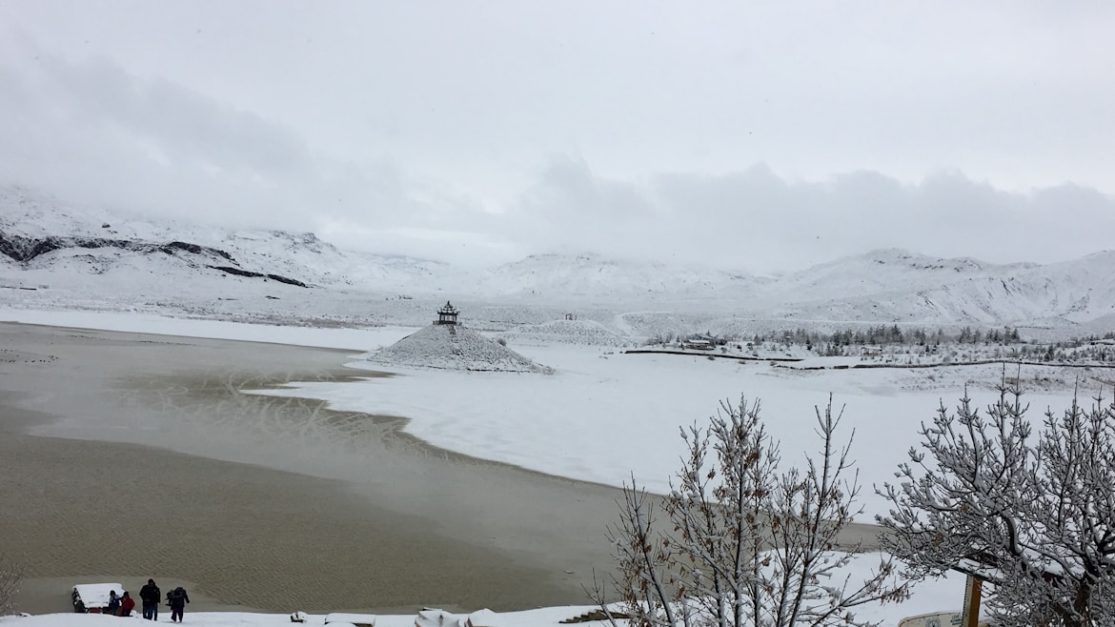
(893, 344)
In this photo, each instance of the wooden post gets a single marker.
(969, 616)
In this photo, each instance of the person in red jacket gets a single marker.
(127, 604)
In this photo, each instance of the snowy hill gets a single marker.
(62, 257)
(453, 347)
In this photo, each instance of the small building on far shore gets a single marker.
(698, 344)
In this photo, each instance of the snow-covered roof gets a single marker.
(438, 618)
(95, 595)
(484, 618)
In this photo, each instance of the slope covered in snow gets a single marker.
(882, 271)
(589, 332)
(596, 277)
(958, 291)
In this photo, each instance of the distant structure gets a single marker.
(699, 342)
(447, 314)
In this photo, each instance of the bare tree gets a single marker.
(746, 544)
(10, 579)
(1035, 517)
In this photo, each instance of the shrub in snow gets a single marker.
(745, 543)
(10, 579)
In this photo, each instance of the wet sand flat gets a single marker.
(251, 536)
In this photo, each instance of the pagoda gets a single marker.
(447, 314)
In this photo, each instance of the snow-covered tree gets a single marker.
(744, 542)
(1031, 513)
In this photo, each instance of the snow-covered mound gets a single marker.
(453, 347)
(588, 332)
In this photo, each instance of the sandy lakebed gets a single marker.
(124, 456)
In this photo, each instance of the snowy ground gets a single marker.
(604, 415)
(929, 596)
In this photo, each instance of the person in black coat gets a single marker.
(177, 600)
(150, 595)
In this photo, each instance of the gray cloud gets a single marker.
(93, 132)
(755, 219)
(636, 130)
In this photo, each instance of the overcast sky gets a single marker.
(752, 135)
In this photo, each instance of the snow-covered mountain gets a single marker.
(881, 271)
(899, 286)
(598, 277)
(48, 242)
(63, 257)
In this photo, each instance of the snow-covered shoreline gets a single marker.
(934, 595)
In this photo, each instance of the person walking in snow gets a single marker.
(150, 595)
(127, 604)
(177, 600)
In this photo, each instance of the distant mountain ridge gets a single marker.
(95, 256)
(46, 237)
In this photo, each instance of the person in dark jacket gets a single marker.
(150, 595)
(113, 603)
(177, 600)
(127, 604)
